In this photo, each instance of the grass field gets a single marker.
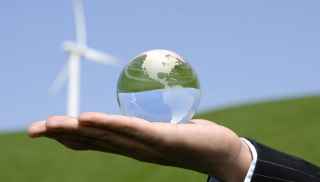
(289, 125)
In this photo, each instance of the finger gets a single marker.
(85, 138)
(110, 142)
(74, 142)
(129, 126)
(37, 129)
(58, 126)
(133, 137)
(118, 143)
(61, 124)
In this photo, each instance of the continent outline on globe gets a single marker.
(157, 69)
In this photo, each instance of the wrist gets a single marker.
(241, 164)
(236, 166)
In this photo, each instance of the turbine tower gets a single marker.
(76, 51)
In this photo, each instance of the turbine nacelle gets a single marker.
(88, 53)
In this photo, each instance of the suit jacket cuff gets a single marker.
(273, 165)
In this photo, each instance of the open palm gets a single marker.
(199, 145)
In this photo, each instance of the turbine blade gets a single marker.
(61, 78)
(80, 22)
(100, 57)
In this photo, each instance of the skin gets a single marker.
(199, 145)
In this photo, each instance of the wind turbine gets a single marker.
(76, 51)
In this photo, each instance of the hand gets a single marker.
(200, 145)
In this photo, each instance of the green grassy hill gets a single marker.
(289, 125)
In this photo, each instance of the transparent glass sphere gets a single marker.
(159, 86)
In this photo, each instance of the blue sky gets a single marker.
(241, 50)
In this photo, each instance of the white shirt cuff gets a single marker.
(254, 155)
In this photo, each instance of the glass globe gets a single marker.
(159, 86)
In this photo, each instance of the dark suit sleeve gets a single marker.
(275, 166)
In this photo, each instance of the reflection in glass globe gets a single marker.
(159, 86)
